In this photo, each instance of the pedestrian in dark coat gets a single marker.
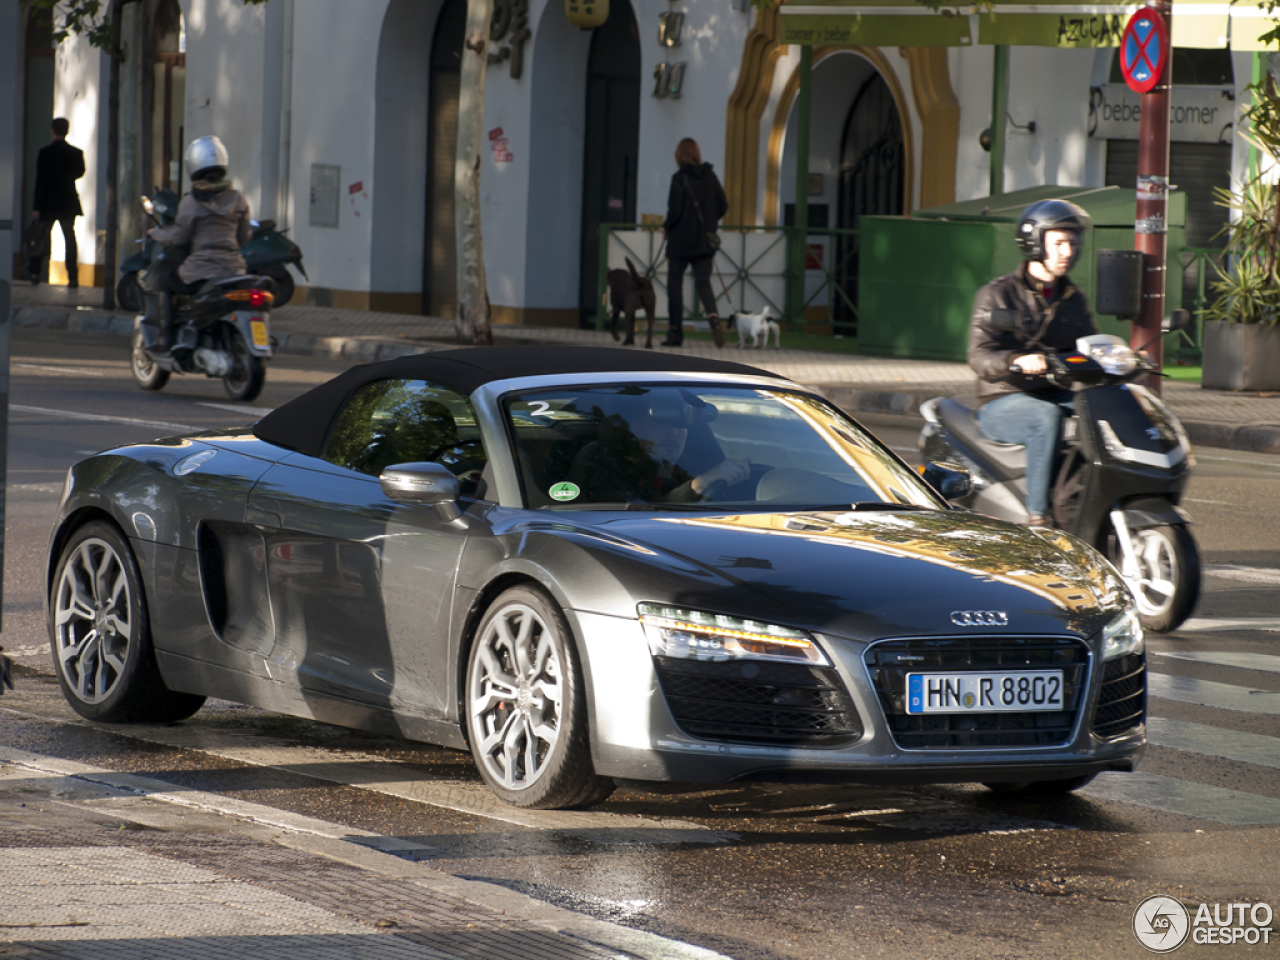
(695, 204)
(58, 167)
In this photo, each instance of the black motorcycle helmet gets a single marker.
(1048, 215)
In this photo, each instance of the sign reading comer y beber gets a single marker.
(1144, 48)
(1196, 114)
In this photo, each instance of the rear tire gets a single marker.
(248, 373)
(129, 293)
(1168, 582)
(284, 284)
(526, 710)
(149, 374)
(100, 634)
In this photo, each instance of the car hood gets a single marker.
(871, 574)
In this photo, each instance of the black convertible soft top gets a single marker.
(302, 423)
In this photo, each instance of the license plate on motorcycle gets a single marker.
(259, 329)
(996, 692)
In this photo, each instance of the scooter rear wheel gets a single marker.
(1167, 584)
(149, 374)
(248, 374)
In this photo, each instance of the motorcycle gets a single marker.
(1125, 461)
(267, 254)
(222, 330)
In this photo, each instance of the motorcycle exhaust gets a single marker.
(216, 363)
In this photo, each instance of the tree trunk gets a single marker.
(113, 159)
(473, 294)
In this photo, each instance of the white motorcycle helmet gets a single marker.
(206, 159)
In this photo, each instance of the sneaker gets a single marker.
(1038, 520)
(717, 330)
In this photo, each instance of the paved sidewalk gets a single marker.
(98, 865)
(858, 384)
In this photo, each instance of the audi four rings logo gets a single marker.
(980, 618)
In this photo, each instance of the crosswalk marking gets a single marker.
(1185, 798)
(1223, 658)
(1214, 741)
(1222, 624)
(1208, 693)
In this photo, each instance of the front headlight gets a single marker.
(694, 635)
(1122, 637)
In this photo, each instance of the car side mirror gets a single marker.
(424, 483)
(1178, 320)
(951, 480)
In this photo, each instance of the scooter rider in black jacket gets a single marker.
(1023, 407)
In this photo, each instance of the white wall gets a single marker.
(80, 86)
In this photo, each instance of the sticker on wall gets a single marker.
(499, 145)
(564, 491)
(358, 197)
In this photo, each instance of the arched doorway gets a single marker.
(168, 95)
(440, 273)
(871, 177)
(612, 143)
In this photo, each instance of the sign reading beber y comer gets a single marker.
(1196, 114)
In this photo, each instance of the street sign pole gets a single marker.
(1148, 67)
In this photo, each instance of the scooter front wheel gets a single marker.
(149, 374)
(1164, 574)
(129, 293)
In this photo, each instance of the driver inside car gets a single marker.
(642, 456)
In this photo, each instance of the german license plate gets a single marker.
(1003, 692)
(259, 329)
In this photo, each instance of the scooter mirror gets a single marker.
(1178, 320)
(951, 480)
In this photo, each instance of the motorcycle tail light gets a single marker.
(255, 297)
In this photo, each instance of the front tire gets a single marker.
(284, 284)
(129, 293)
(149, 374)
(526, 706)
(248, 373)
(100, 634)
(1167, 582)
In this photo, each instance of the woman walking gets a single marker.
(695, 205)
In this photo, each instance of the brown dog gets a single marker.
(628, 291)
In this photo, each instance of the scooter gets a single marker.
(267, 254)
(1125, 461)
(223, 330)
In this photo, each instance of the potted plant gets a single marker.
(1241, 341)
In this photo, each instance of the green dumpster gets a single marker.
(917, 274)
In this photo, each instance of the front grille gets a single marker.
(1122, 701)
(780, 704)
(888, 664)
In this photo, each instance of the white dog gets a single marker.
(757, 326)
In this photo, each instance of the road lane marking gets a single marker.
(35, 488)
(1206, 693)
(257, 412)
(1208, 741)
(368, 772)
(1185, 799)
(1221, 658)
(1237, 571)
(70, 371)
(1217, 624)
(102, 417)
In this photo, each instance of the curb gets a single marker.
(1246, 437)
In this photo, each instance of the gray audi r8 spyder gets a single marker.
(587, 565)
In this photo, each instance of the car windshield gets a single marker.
(663, 446)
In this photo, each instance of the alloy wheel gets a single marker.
(93, 628)
(515, 696)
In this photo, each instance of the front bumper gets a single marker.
(636, 737)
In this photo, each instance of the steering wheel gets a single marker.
(715, 490)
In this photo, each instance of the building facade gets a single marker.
(340, 119)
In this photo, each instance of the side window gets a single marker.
(408, 421)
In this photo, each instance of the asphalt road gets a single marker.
(757, 872)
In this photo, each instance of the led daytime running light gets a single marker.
(693, 634)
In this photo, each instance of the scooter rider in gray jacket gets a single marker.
(213, 218)
(1024, 407)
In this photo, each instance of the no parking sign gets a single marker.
(1144, 49)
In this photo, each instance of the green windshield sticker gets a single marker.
(564, 491)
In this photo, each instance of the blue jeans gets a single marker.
(1036, 422)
